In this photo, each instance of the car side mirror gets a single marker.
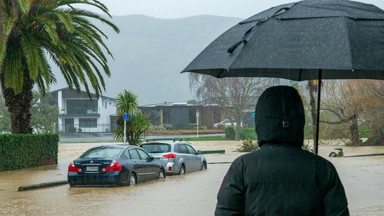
(150, 158)
(198, 152)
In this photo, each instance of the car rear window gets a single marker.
(102, 153)
(156, 147)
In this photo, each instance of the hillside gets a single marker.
(149, 54)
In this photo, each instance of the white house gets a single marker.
(78, 113)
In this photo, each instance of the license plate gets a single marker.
(92, 169)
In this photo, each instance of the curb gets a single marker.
(213, 152)
(42, 185)
(225, 162)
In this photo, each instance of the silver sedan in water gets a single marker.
(178, 157)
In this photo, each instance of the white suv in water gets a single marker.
(178, 157)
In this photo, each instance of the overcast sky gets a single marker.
(170, 9)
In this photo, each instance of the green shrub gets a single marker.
(248, 145)
(18, 151)
(248, 133)
(364, 131)
(229, 132)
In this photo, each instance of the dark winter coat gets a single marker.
(281, 178)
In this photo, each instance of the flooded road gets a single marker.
(191, 194)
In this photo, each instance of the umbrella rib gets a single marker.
(219, 75)
(260, 22)
(299, 77)
(349, 44)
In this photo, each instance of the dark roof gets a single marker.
(80, 92)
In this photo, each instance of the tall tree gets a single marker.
(31, 30)
(234, 95)
(343, 102)
(373, 114)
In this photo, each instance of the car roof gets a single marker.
(170, 142)
(116, 146)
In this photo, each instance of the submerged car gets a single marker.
(114, 165)
(178, 157)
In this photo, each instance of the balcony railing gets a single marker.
(80, 115)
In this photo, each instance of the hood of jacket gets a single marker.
(279, 117)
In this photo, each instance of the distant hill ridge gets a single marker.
(149, 54)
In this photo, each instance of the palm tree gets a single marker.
(138, 121)
(126, 102)
(31, 31)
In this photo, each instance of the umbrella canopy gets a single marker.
(311, 39)
(344, 39)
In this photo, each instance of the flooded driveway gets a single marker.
(191, 194)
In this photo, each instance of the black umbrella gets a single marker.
(312, 39)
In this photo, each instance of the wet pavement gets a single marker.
(191, 194)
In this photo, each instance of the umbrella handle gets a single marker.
(316, 142)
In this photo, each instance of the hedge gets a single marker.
(248, 133)
(19, 151)
(245, 133)
(229, 132)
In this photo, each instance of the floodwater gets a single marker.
(190, 194)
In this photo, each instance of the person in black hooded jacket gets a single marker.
(281, 178)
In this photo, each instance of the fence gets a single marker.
(76, 128)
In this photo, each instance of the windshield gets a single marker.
(102, 153)
(157, 148)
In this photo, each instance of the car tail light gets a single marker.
(169, 156)
(115, 166)
(72, 168)
(169, 169)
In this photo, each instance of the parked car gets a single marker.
(114, 165)
(225, 123)
(178, 157)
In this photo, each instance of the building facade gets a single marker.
(78, 113)
(181, 115)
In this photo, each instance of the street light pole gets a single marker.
(125, 132)
(197, 123)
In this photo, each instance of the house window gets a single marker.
(192, 115)
(106, 104)
(88, 123)
(82, 107)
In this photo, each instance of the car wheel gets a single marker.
(132, 179)
(204, 166)
(123, 180)
(161, 174)
(333, 154)
(182, 170)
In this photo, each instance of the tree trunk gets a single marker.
(312, 102)
(19, 105)
(354, 129)
(237, 131)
